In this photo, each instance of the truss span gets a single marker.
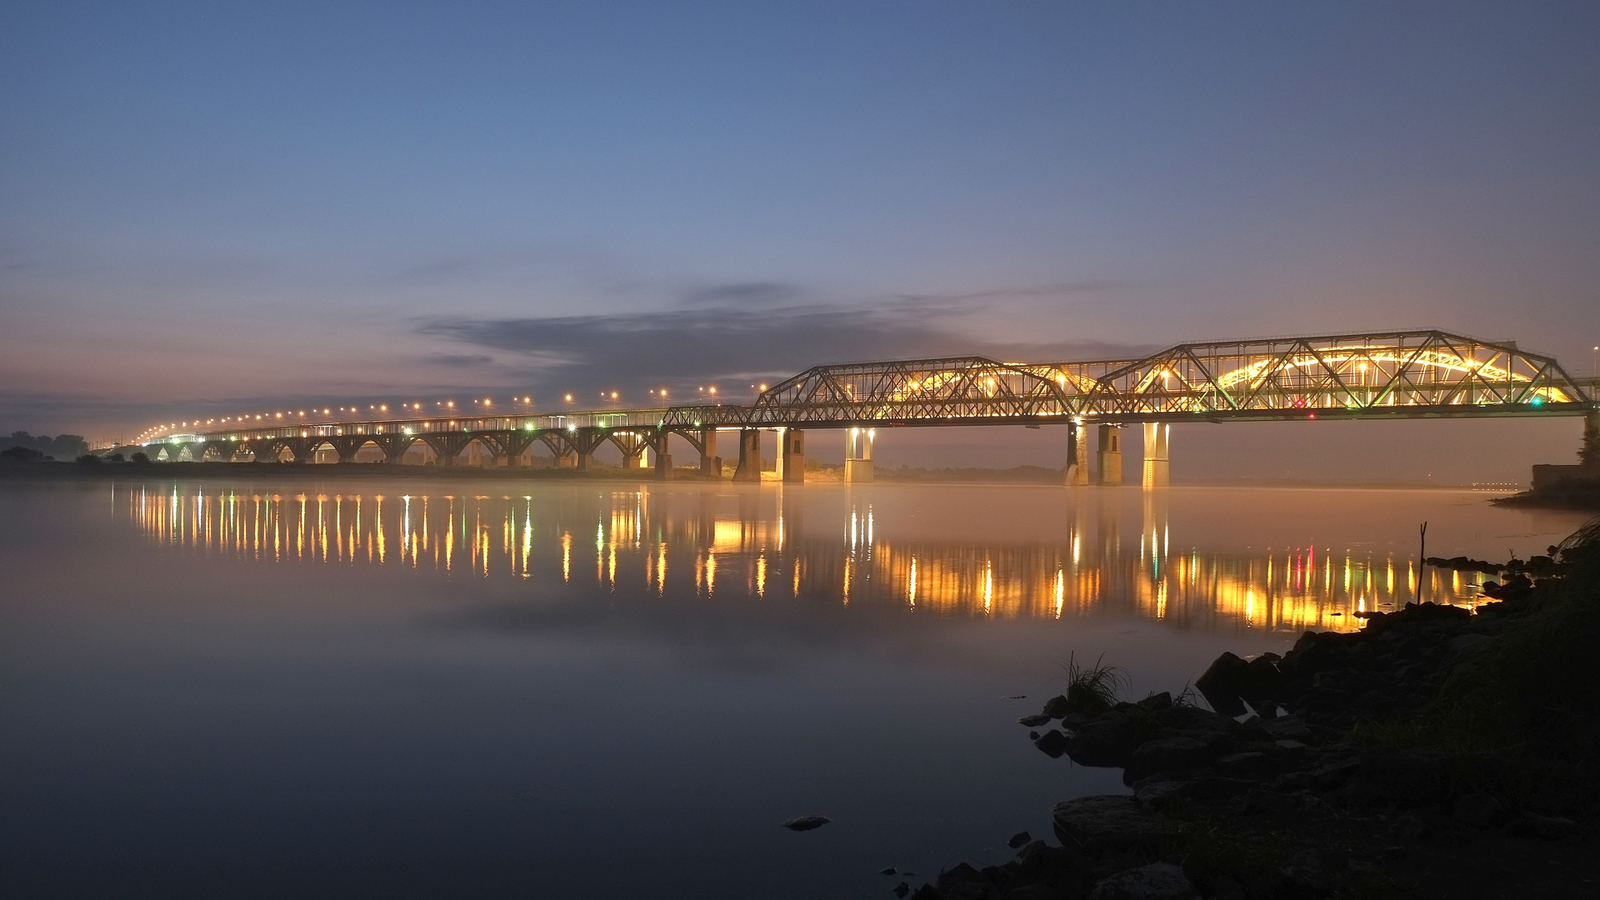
(1408, 374)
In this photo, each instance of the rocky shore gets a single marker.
(1439, 751)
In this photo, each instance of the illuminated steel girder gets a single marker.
(1357, 376)
(1404, 374)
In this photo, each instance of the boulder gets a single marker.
(1156, 702)
(1157, 881)
(960, 874)
(1166, 756)
(1110, 822)
(1107, 740)
(1223, 683)
(1161, 793)
(1249, 763)
(1033, 721)
(1052, 743)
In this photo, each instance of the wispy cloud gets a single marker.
(459, 360)
(734, 340)
(743, 294)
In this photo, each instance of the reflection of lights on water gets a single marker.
(1289, 589)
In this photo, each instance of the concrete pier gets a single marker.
(1077, 455)
(1109, 454)
(858, 455)
(1155, 454)
(749, 469)
(710, 462)
(791, 455)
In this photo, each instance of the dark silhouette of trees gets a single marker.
(20, 455)
(62, 446)
(140, 457)
(1589, 453)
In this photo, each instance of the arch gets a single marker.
(560, 443)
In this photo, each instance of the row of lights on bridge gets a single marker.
(446, 405)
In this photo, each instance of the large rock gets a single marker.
(1157, 881)
(1107, 741)
(1052, 743)
(1223, 683)
(1167, 756)
(1232, 682)
(1161, 793)
(1111, 823)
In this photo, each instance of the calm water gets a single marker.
(327, 688)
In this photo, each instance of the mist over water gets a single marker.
(604, 689)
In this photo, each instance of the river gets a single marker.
(318, 687)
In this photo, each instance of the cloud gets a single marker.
(1038, 290)
(743, 294)
(736, 341)
(459, 360)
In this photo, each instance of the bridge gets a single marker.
(1406, 374)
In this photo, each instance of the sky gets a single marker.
(211, 208)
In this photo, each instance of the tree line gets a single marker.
(62, 446)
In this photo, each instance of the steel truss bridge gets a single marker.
(1407, 374)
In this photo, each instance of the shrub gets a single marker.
(89, 459)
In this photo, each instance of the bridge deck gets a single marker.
(1413, 374)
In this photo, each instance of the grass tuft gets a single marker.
(1093, 689)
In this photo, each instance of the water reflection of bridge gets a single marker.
(642, 544)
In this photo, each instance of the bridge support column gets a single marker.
(1155, 454)
(749, 456)
(394, 447)
(858, 455)
(300, 449)
(446, 447)
(584, 441)
(1109, 454)
(663, 461)
(710, 462)
(1077, 455)
(347, 447)
(792, 456)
